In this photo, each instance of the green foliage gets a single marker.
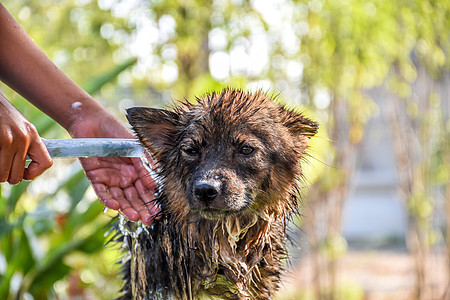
(36, 238)
(26, 231)
(96, 83)
(76, 35)
(322, 54)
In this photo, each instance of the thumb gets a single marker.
(40, 157)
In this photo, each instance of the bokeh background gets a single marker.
(374, 73)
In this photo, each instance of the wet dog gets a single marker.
(229, 172)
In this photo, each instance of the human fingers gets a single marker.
(126, 207)
(145, 186)
(147, 197)
(6, 158)
(107, 177)
(14, 144)
(40, 159)
(115, 199)
(16, 173)
(134, 199)
(104, 196)
(143, 174)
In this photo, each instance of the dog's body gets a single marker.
(229, 169)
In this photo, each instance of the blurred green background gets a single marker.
(344, 63)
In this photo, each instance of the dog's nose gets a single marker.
(206, 191)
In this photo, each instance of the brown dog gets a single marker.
(229, 172)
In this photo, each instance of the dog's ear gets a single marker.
(155, 128)
(297, 124)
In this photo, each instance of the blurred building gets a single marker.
(374, 212)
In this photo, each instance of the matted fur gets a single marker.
(234, 246)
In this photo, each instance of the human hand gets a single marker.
(18, 137)
(120, 183)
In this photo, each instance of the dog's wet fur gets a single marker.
(229, 171)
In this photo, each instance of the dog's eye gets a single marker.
(192, 151)
(246, 150)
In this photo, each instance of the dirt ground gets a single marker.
(375, 276)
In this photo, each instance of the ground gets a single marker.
(370, 275)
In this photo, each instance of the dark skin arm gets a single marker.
(120, 183)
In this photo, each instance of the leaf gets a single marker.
(95, 83)
(75, 185)
(77, 220)
(16, 192)
(43, 283)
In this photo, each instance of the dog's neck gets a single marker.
(232, 250)
(237, 257)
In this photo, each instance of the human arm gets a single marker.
(121, 184)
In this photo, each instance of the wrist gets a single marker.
(98, 123)
(81, 112)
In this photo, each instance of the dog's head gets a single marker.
(230, 153)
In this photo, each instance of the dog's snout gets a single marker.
(206, 191)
